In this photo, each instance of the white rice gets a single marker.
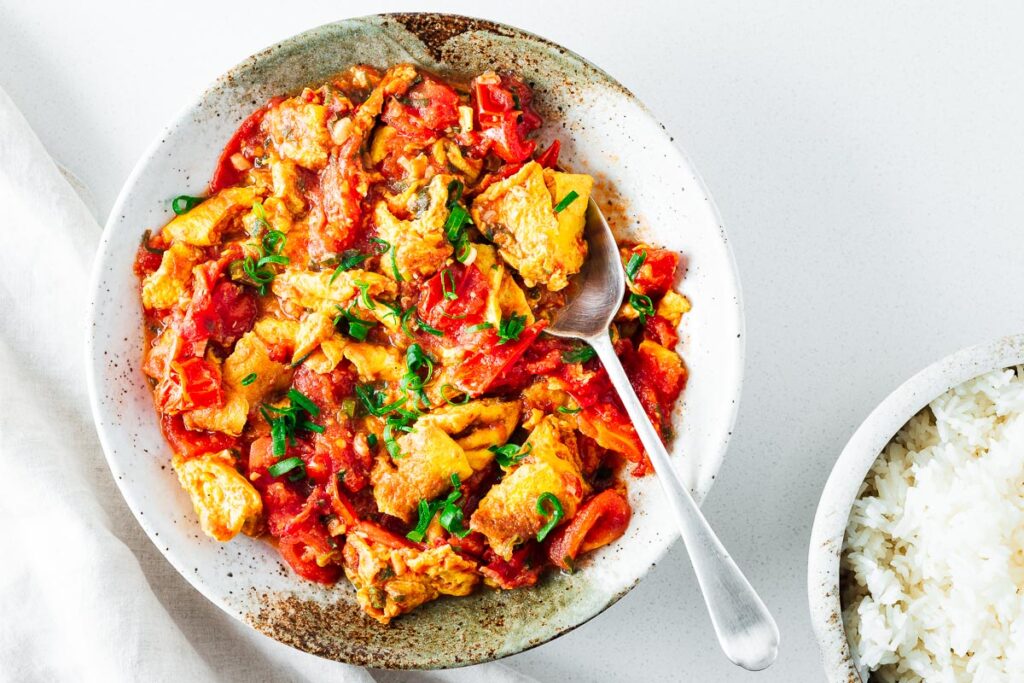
(933, 563)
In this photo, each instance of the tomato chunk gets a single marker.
(599, 521)
(247, 134)
(190, 444)
(478, 371)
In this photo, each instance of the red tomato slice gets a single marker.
(191, 383)
(300, 552)
(658, 272)
(454, 298)
(478, 371)
(599, 521)
(190, 444)
(549, 157)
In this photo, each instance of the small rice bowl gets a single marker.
(933, 560)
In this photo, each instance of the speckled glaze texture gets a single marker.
(848, 474)
(649, 191)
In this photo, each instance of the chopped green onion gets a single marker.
(510, 454)
(302, 401)
(373, 400)
(183, 203)
(364, 296)
(481, 326)
(510, 328)
(427, 328)
(273, 242)
(249, 379)
(455, 188)
(388, 247)
(566, 201)
(353, 325)
(405, 322)
(568, 411)
(300, 361)
(555, 515)
(580, 355)
(635, 263)
(448, 285)
(643, 305)
(464, 401)
(426, 513)
(349, 260)
(287, 465)
(371, 440)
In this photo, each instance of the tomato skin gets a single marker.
(338, 201)
(190, 383)
(465, 310)
(521, 571)
(300, 550)
(147, 260)
(504, 123)
(190, 444)
(661, 331)
(479, 370)
(233, 312)
(599, 521)
(549, 157)
(507, 140)
(423, 121)
(658, 272)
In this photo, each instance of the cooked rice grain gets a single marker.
(933, 563)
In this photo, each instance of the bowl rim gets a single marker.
(102, 256)
(852, 466)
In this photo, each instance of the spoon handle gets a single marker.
(745, 629)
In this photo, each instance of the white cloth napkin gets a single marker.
(84, 595)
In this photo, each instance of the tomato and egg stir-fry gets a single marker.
(347, 348)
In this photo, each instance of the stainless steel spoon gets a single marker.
(745, 629)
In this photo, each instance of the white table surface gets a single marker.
(868, 160)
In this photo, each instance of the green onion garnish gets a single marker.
(555, 515)
(580, 355)
(289, 420)
(249, 379)
(351, 324)
(510, 454)
(566, 201)
(448, 284)
(568, 411)
(364, 296)
(349, 260)
(510, 328)
(427, 328)
(635, 263)
(643, 305)
(481, 326)
(464, 401)
(182, 204)
(287, 465)
(388, 247)
(451, 514)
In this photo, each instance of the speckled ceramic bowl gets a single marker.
(648, 189)
(853, 465)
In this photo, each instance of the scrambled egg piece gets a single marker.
(504, 296)
(314, 290)
(390, 581)
(285, 177)
(375, 362)
(316, 327)
(250, 357)
(203, 225)
(224, 500)
(672, 307)
(508, 514)
(420, 244)
(476, 425)
(429, 458)
(163, 288)
(518, 214)
(666, 359)
(299, 130)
